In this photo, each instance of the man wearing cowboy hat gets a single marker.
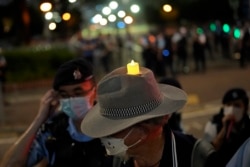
(130, 116)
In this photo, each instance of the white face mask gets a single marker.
(75, 108)
(116, 146)
(236, 111)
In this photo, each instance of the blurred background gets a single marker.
(36, 36)
(33, 32)
(29, 21)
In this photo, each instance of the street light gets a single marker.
(52, 26)
(135, 8)
(45, 6)
(106, 10)
(128, 20)
(121, 14)
(114, 14)
(112, 18)
(113, 5)
(66, 16)
(48, 15)
(167, 8)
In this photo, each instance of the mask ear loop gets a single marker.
(128, 133)
(135, 142)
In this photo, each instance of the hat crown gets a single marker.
(74, 71)
(234, 94)
(124, 100)
(128, 95)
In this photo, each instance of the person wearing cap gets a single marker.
(130, 117)
(54, 136)
(228, 129)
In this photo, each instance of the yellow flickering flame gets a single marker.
(133, 68)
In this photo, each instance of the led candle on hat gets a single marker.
(133, 68)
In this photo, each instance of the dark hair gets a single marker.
(171, 81)
(236, 94)
(153, 121)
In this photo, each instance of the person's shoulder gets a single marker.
(184, 137)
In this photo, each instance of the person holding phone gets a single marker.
(228, 129)
(54, 136)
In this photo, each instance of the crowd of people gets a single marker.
(130, 120)
(127, 120)
(167, 52)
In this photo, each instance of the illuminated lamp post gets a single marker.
(45, 7)
(167, 8)
(169, 13)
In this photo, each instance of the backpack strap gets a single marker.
(201, 151)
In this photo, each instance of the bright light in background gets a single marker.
(72, 1)
(226, 28)
(135, 8)
(112, 18)
(48, 16)
(103, 21)
(128, 20)
(121, 14)
(167, 8)
(66, 16)
(113, 4)
(52, 26)
(45, 7)
(183, 30)
(57, 17)
(121, 24)
(106, 10)
(97, 18)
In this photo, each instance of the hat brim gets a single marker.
(96, 125)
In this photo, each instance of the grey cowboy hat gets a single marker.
(124, 100)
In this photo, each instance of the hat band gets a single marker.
(120, 113)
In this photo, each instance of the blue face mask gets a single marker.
(75, 108)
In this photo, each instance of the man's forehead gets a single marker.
(238, 101)
(87, 84)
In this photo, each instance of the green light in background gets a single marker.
(212, 27)
(226, 28)
(199, 30)
(237, 33)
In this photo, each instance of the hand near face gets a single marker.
(48, 104)
(228, 118)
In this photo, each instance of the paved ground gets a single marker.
(204, 90)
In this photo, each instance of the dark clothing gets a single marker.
(175, 122)
(64, 151)
(88, 49)
(3, 69)
(230, 145)
(245, 50)
(184, 148)
(199, 56)
(167, 56)
(182, 53)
